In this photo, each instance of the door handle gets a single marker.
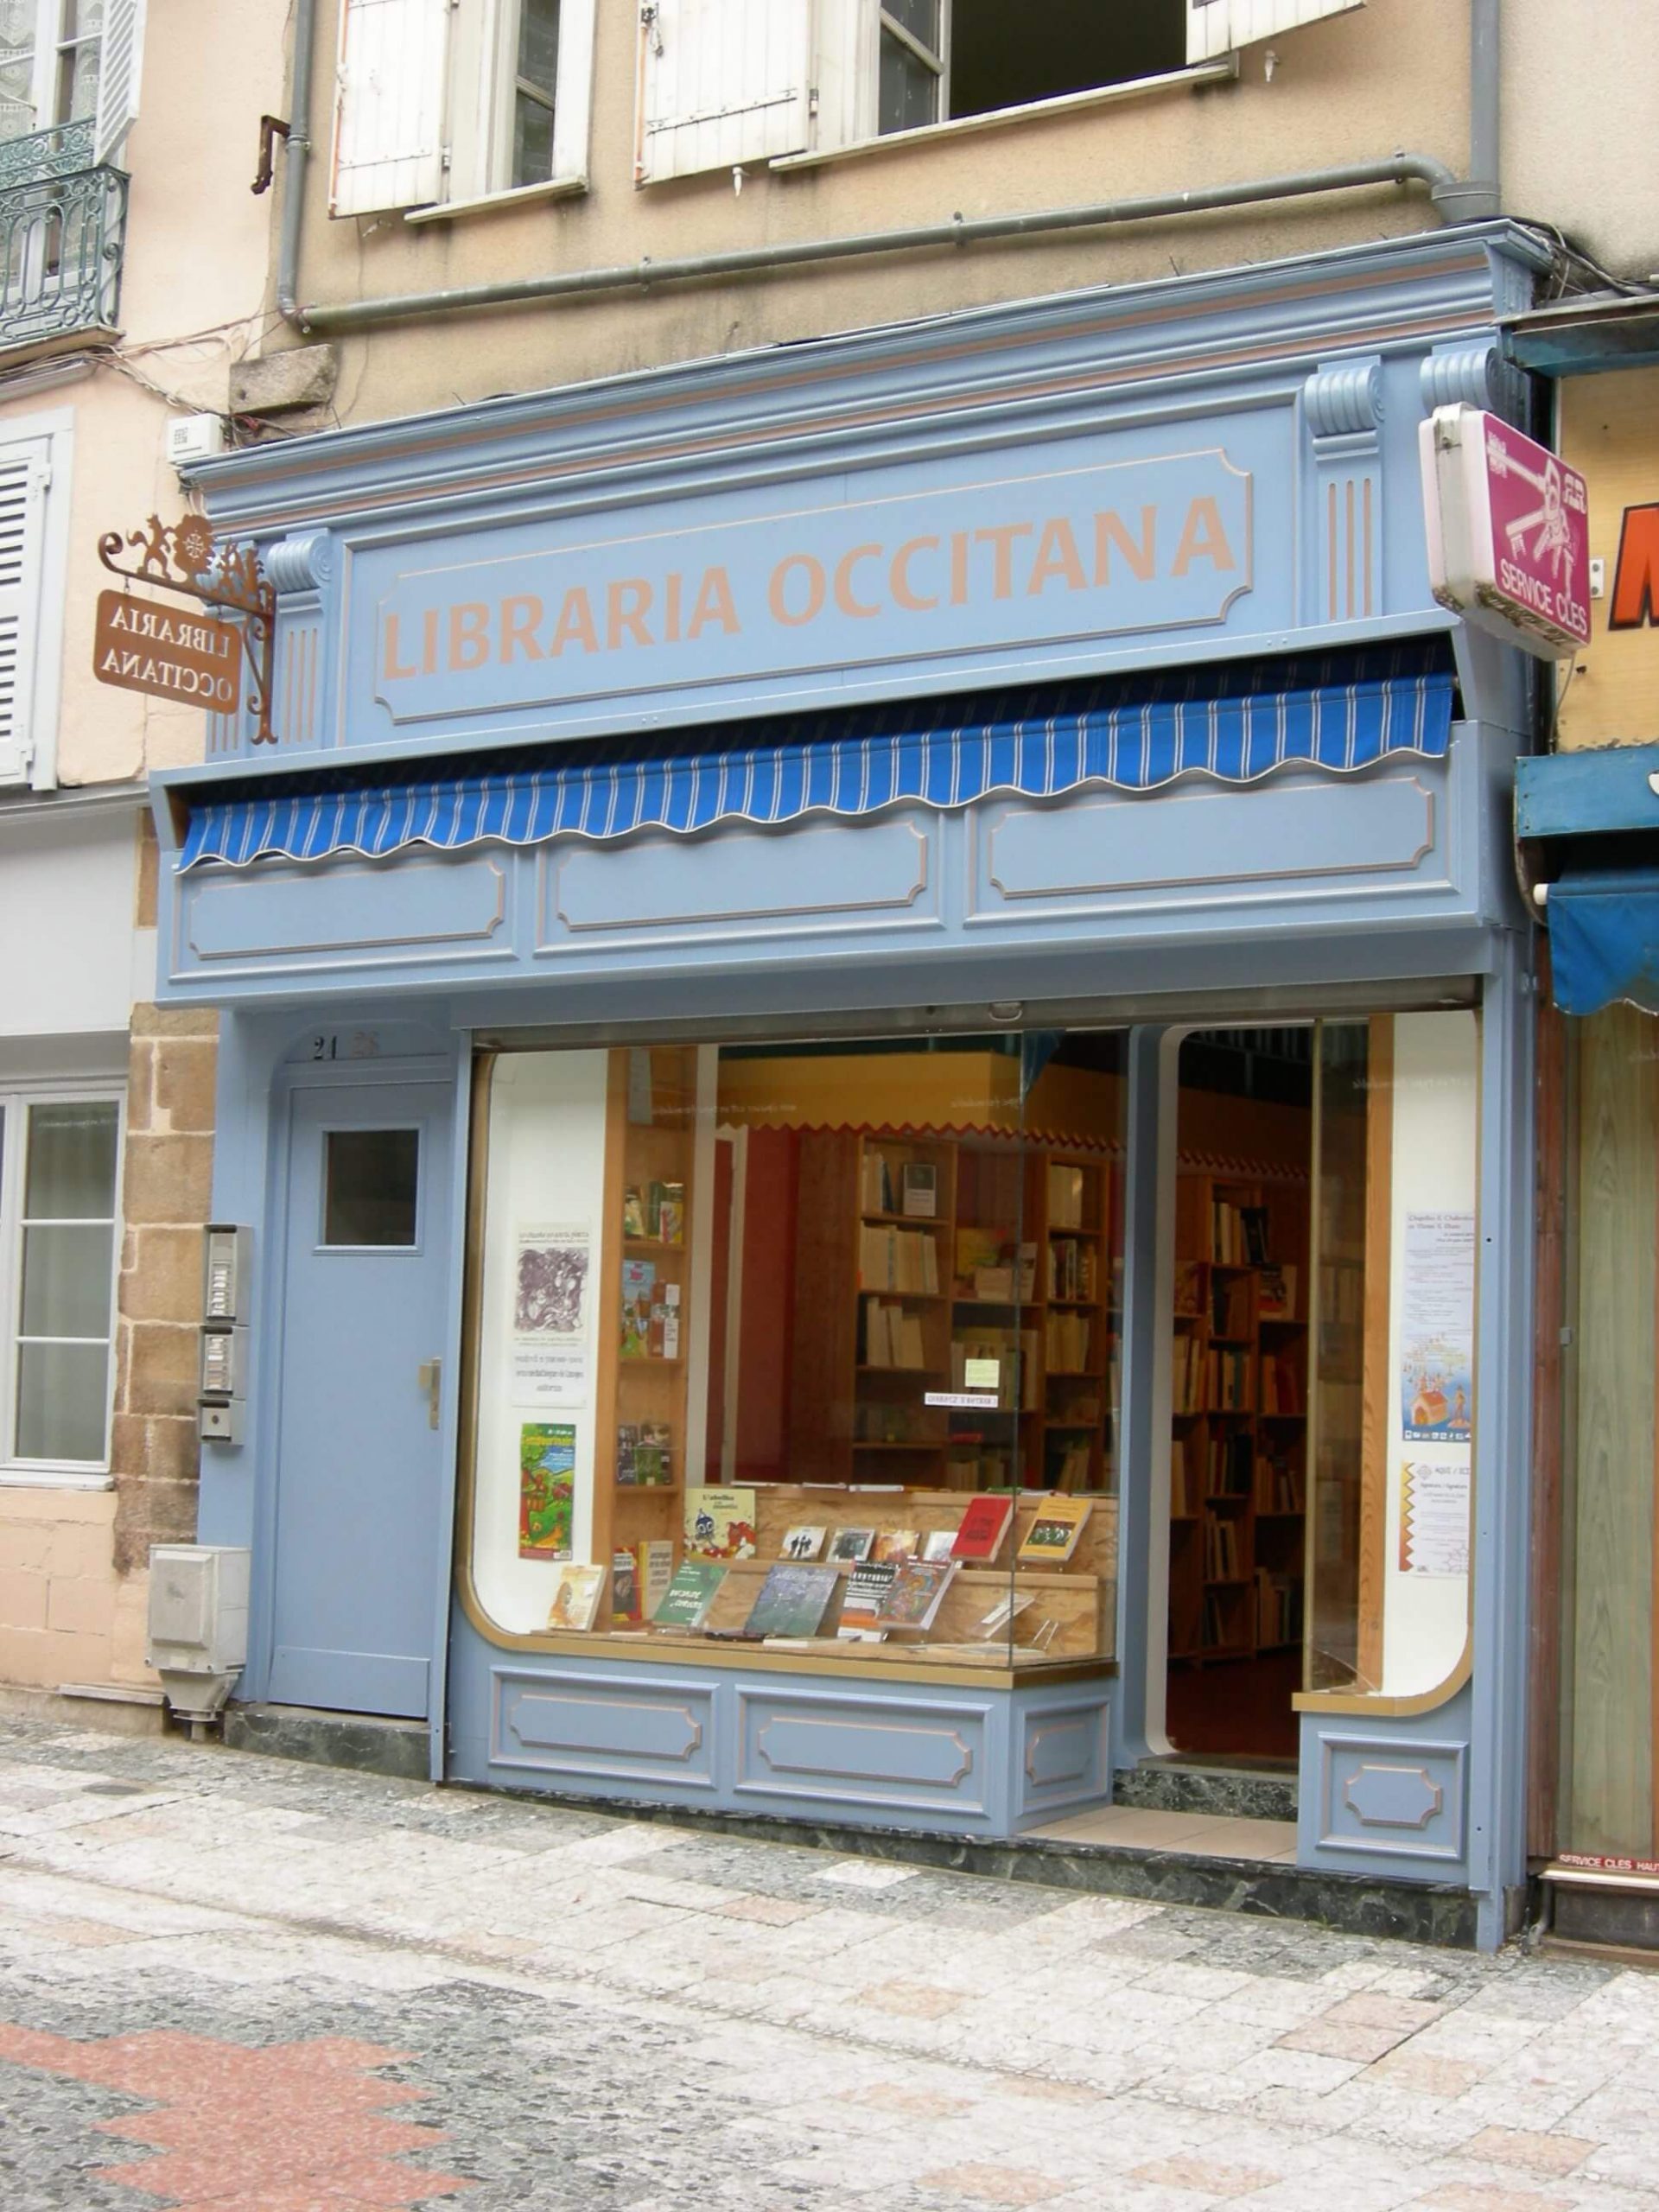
(430, 1376)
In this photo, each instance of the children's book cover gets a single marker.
(792, 1601)
(547, 1478)
(1053, 1536)
(719, 1524)
(638, 1289)
(916, 1595)
(802, 1543)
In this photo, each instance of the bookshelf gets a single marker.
(1238, 1407)
(1014, 1265)
(650, 1154)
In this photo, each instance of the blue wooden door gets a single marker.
(359, 1474)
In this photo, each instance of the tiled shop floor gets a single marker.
(236, 1985)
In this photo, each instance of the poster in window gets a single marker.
(552, 1298)
(1434, 1517)
(547, 1490)
(1437, 1329)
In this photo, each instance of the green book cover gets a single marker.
(689, 1596)
(547, 1462)
(792, 1601)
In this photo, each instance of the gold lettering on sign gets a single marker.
(715, 605)
(142, 646)
(575, 624)
(1001, 536)
(778, 591)
(1056, 555)
(627, 604)
(864, 609)
(521, 617)
(1109, 530)
(904, 593)
(1204, 538)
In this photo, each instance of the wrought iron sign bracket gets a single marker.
(183, 556)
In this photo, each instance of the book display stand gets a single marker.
(1239, 1398)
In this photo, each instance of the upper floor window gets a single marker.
(441, 103)
(64, 61)
(723, 82)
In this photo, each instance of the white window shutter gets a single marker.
(388, 105)
(722, 82)
(25, 473)
(120, 62)
(1216, 27)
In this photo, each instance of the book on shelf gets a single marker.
(915, 1594)
(852, 1544)
(1229, 1306)
(691, 1591)
(1278, 1487)
(1227, 1464)
(1068, 1337)
(1223, 1561)
(625, 1590)
(876, 1193)
(1066, 1194)
(1073, 1269)
(1228, 1386)
(1018, 1362)
(654, 1557)
(938, 1543)
(892, 1337)
(897, 1259)
(802, 1543)
(1053, 1536)
(918, 1190)
(865, 1594)
(1183, 1491)
(1278, 1607)
(719, 1524)
(645, 1455)
(1189, 1288)
(575, 1597)
(1186, 1375)
(1253, 1220)
(1069, 1461)
(792, 1601)
(896, 1544)
(1217, 1634)
(984, 1525)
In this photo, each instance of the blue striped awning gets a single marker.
(1236, 724)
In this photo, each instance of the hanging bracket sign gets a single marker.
(142, 645)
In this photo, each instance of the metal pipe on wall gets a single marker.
(1479, 197)
(1449, 194)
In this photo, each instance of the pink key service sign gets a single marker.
(1508, 531)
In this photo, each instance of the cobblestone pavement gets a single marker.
(235, 1985)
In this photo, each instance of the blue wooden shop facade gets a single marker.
(1178, 482)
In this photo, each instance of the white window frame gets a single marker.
(482, 69)
(16, 1099)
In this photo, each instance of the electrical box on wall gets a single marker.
(198, 1624)
(194, 437)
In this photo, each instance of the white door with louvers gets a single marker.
(25, 474)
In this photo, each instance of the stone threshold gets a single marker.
(1075, 1854)
(1254, 1789)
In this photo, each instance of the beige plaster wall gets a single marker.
(63, 1616)
(1581, 122)
(1358, 86)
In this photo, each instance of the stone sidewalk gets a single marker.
(236, 1985)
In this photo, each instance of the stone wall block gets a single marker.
(184, 1075)
(150, 1511)
(23, 1597)
(83, 1606)
(161, 1376)
(141, 1088)
(169, 1179)
(24, 1547)
(160, 1275)
(149, 1020)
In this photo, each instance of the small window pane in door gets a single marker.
(72, 1151)
(62, 1401)
(370, 1185)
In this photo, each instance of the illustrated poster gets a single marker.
(1437, 1329)
(551, 1300)
(1434, 1517)
(547, 1490)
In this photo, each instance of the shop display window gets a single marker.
(810, 1350)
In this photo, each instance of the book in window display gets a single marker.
(720, 1524)
(624, 1591)
(645, 1455)
(983, 1526)
(852, 1544)
(862, 1599)
(896, 1544)
(691, 1591)
(802, 1543)
(1053, 1536)
(792, 1601)
(914, 1596)
(575, 1599)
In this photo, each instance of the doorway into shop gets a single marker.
(1239, 1335)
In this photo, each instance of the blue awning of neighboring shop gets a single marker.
(1604, 940)
(1236, 724)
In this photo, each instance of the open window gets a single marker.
(723, 82)
(438, 107)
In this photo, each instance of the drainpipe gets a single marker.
(1448, 194)
(297, 148)
(1480, 198)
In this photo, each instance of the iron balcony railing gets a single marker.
(62, 223)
